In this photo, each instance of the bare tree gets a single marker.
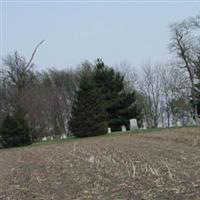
(130, 75)
(18, 76)
(185, 42)
(164, 88)
(174, 87)
(150, 86)
(51, 100)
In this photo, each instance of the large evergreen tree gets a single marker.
(120, 104)
(88, 113)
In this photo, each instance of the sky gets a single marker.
(115, 31)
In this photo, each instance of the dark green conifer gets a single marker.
(15, 131)
(120, 104)
(88, 113)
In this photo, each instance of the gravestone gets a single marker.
(44, 138)
(160, 125)
(144, 125)
(179, 123)
(133, 124)
(109, 130)
(63, 136)
(123, 128)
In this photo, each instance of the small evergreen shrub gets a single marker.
(15, 131)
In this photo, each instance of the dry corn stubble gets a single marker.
(161, 165)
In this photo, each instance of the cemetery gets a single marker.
(99, 100)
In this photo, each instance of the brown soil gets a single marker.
(149, 166)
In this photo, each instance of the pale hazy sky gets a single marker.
(74, 31)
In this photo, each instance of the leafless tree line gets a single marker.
(171, 91)
(46, 97)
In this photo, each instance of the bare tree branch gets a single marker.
(33, 54)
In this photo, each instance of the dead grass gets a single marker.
(161, 165)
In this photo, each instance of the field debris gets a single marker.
(155, 166)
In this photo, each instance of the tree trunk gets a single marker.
(196, 117)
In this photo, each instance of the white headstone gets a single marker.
(51, 138)
(133, 124)
(123, 128)
(179, 123)
(160, 125)
(144, 125)
(109, 130)
(44, 138)
(63, 136)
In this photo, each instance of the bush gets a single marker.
(15, 131)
